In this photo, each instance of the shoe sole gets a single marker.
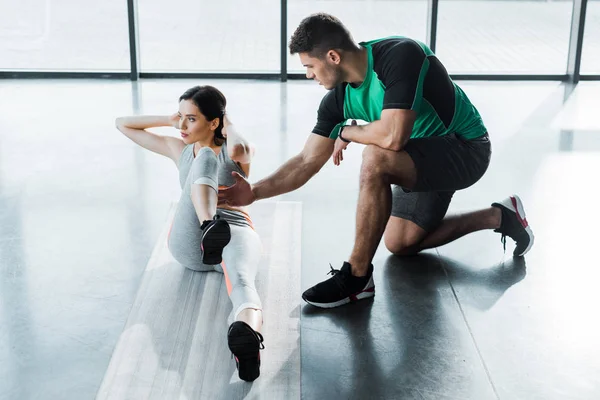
(216, 237)
(520, 211)
(350, 299)
(242, 343)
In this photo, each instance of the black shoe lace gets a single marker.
(260, 338)
(511, 228)
(333, 271)
(337, 278)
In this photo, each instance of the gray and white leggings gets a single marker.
(240, 257)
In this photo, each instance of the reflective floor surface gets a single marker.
(81, 209)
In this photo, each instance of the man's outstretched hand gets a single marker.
(239, 194)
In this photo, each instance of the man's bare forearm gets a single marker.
(373, 133)
(290, 176)
(391, 132)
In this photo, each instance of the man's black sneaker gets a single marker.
(341, 288)
(515, 225)
(245, 345)
(215, 236)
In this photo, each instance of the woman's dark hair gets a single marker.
(319, 33)
(211, 103)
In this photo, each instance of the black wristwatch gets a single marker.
(340, 134)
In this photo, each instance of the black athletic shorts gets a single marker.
(444, 165)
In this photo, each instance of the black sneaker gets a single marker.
(245, 345)
(341, 288)
(215, 236)
(515, 225)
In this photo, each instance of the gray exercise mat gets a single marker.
(174, 344)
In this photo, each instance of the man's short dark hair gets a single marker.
(319, 33)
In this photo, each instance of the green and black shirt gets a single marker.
(403, 74)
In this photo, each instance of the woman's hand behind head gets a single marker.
(174, 120)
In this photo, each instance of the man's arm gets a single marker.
(296, 171)
(299, 169)
(391, 132)
(317, 150)
(290, 176)
(402, 68)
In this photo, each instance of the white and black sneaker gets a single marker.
(216, 234)
(515, 225)
(342, 288)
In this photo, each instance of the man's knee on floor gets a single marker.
(403, 245)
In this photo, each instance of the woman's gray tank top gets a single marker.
(226, 166)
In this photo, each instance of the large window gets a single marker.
(504, 37)
(209, 36)
(475, 37)
(590, 58)
(64, 35)
(366, 19)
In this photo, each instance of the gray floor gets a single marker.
(81, 209)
